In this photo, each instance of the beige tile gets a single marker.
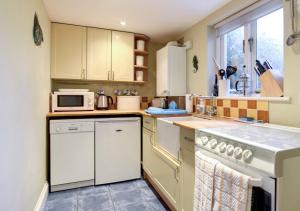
(252, 113)
(220, 111)
(234, 112)
(262, 105)
(243, 104)
(226, 103)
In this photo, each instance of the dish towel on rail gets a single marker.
(204, 182)
(232, 190)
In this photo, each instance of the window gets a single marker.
(250, 37)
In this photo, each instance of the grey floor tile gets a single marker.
(127, 197)
(62, 194)
(93, 190)
(123, 186)
(147, 193)
(95, 202)
(155, 205)
(133, 207)
(140, 183)
(68, 204)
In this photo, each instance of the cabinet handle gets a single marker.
(189, 139)
(113, 75)
(108, 75)
(147, 122)
(119, 130)
(177, 174)
(73, 128)
(82, 73)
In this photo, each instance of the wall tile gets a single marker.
(242, 113)
(243, 104)
(234, 112)
(263, 115)
(263, 105)
(252, 113)
(219, 102)
(234, 103)
(226, 103)
(227, 112)
(252, 104)
(220, 111)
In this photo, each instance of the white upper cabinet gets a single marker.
(171, 71)
(122, 56)
(68, 51)
(98, 54)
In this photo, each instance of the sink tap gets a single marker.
(212, 111)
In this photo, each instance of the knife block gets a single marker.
(271, 84)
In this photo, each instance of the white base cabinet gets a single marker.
(118, 149)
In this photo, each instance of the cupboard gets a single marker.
(86, 53)
(68, 51)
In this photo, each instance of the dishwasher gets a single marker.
(71, 154)
(118, 149)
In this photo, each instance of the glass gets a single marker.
(234, 53)
(270, 40)
(70, 101)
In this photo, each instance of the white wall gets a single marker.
(25, 86)
(202, 37)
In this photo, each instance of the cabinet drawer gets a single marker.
(149, 123)
(187, 139)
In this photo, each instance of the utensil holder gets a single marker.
(271, 84)
(224, 87)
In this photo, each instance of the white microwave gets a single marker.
(73, 100)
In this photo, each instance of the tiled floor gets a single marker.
(134, 195)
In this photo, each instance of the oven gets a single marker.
(264, 185)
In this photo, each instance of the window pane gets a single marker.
(270, 39)
(234, 55)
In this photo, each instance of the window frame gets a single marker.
(249, 21)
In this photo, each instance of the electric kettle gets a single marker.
(103, 101)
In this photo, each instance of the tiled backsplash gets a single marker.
(256, 109)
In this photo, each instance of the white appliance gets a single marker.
(73, 100)
(171, 71)
(118, 149)
(269, 154)
(71, 154)
(128, 103)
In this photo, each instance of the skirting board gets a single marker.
(42, 198)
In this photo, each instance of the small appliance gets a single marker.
(103, 101)
(73, 100)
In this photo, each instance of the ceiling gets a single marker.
(162, 20)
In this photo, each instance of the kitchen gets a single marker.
(110, 109)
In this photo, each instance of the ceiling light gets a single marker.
(123, 23)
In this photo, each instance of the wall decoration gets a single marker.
(37, 31)
(195, 64)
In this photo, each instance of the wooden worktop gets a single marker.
(207, 123)
(106, 113)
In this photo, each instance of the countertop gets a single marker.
(204, 122)
(108, 113)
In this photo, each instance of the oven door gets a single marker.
(264, 187)
(67, 101)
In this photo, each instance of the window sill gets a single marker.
(270, 99)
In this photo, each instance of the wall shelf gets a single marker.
(141, 52)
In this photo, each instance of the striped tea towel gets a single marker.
(204, 182)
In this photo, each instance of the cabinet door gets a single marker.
(162, 84)
(122, 56)
(98, 54)
(68, 51)
(118, 150)
(166, 176)
(187, 179)
(148, 154)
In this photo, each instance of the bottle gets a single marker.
(201, 107)
(216, 87)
